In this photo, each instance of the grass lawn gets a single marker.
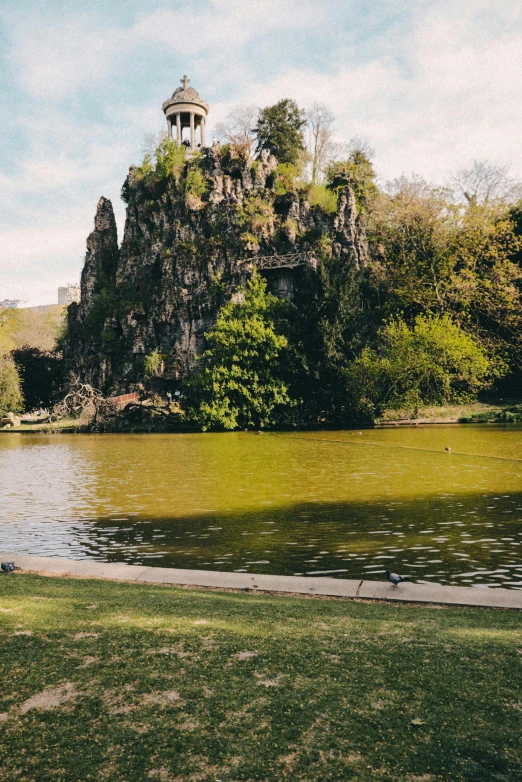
(109, 681)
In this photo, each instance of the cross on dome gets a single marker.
(186, 114)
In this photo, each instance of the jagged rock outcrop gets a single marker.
(191, 240)
(101, 259)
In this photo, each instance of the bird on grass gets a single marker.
(8, 567)
(394, 579)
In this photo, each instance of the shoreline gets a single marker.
(301, 586)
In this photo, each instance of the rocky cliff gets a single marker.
(193, 235)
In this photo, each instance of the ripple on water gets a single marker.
(214, 501)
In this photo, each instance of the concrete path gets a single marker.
(335, 587)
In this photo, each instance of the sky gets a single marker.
(433, 85)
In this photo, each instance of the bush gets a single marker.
(170, 159)
(154, 364)
(321, 196)
(285, 177)
(433, 362)
(195, 183)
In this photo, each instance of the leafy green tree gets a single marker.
(357, 172)
(280, 131)
(327, 329)
(11, 398)
(41, 373)
(439, 257)
(241, 385)
(432, 362)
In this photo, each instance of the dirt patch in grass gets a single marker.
(89, 660)
(345, 690)
(246, 655)
(50, 698)
(267, 682)
(161, 698)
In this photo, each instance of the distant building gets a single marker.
(69, 294)
(10, 304)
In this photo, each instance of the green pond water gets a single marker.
(346, 504)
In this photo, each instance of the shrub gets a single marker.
(154, 364)
(285, 177)
(170, 159)
(195, 183)
(433, 362)
(325, 199)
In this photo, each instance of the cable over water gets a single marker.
(402, 447)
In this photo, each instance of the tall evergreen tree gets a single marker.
(280, 131)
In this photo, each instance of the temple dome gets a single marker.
(185, 109)
(186, 95)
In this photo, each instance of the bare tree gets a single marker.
(238, 127)
(485, 183)
(362, 145)
(151, 142)
(321, 144)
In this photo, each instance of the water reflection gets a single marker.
(337, 503)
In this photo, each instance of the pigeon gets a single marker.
(394, 579)
(8, 567)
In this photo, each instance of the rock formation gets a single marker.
(191, 240)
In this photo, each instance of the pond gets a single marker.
(345, 504)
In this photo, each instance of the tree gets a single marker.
(238, 127)
(40, 373)
(485, 183)
(358, 173)
(279, 130)
(11, 398)
(432, 362)
(241, 385)
(451, 259)
(322, 147)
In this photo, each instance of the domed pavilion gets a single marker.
(188, 113)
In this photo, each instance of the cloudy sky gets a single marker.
(434, 85)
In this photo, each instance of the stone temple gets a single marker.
(187, 113)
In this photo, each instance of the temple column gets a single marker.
(192, 132)
(203, 131)
(169, 126)
(178, 129)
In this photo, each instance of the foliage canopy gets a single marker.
(280, 131)
(241, 385)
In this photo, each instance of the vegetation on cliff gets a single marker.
(401, 294)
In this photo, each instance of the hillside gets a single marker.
(195, 230)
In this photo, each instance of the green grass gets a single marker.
(172, 684)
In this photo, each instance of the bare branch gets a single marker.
(485, 183)
(238, 127)
(321, 143)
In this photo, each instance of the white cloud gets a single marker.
(434, 85)
(54, 60)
